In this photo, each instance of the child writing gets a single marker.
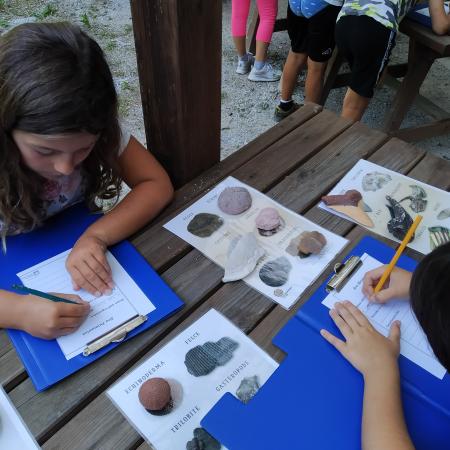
(375, 356)
(61, 143)
(310, 26)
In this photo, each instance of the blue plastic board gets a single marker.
(43, 360)
(314, 399)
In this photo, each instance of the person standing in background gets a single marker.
(311, 31)
(259, 68)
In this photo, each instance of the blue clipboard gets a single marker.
(314, 399)
(44, 360)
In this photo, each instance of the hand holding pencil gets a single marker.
(48, 316)
(389, 282)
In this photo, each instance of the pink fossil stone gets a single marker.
(268, 219)
(234, 200)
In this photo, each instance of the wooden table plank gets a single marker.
(11, 370)
(5, 343)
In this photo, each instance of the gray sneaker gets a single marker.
(267, 73)
(244, 67)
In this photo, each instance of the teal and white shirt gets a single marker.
(387, 12)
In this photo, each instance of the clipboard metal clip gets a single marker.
(342, 273)
(116, 335)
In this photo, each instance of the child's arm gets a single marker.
(440, 20)
(151, 190)
(396, 286)
(40, 317)
(383, 425)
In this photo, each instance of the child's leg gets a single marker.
(295, 63)
(239, 16)
(297, 27)
(314, 81)
(267, 10)
(320, 47)
(354, 105)
(367, 45)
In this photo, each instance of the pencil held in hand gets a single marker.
(398, 253)
(41, 294)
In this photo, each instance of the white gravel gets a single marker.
(247, 107)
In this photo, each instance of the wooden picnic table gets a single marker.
(295, 163)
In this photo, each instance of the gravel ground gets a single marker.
(247, 107)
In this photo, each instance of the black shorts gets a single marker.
(367, 46)
(313, 36)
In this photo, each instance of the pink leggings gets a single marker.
(267, 15)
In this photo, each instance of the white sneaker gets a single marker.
(244, 67)
(267, 73)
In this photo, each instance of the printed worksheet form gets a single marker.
(107, 312)
(414, 344)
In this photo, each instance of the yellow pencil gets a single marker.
(398, 253)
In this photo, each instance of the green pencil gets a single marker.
(51, 297)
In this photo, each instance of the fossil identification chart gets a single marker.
(391, 201)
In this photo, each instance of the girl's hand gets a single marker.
(366, 349)
(48, 320)
(88, 266)
(396, 286)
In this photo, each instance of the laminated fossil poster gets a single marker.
(167, 396)
(274, 250)
(386, 202)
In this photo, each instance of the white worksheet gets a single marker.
(413, 344)
(107, 312)
(14, 435)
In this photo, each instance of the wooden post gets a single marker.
(179, 51)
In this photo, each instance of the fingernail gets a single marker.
(346, 302)
(98, 294)
(111, 285)
(108, 292)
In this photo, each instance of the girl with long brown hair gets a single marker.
(61, 143)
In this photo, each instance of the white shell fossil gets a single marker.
(373, 181)
(243, 255)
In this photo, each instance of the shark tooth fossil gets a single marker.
(351, 205)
